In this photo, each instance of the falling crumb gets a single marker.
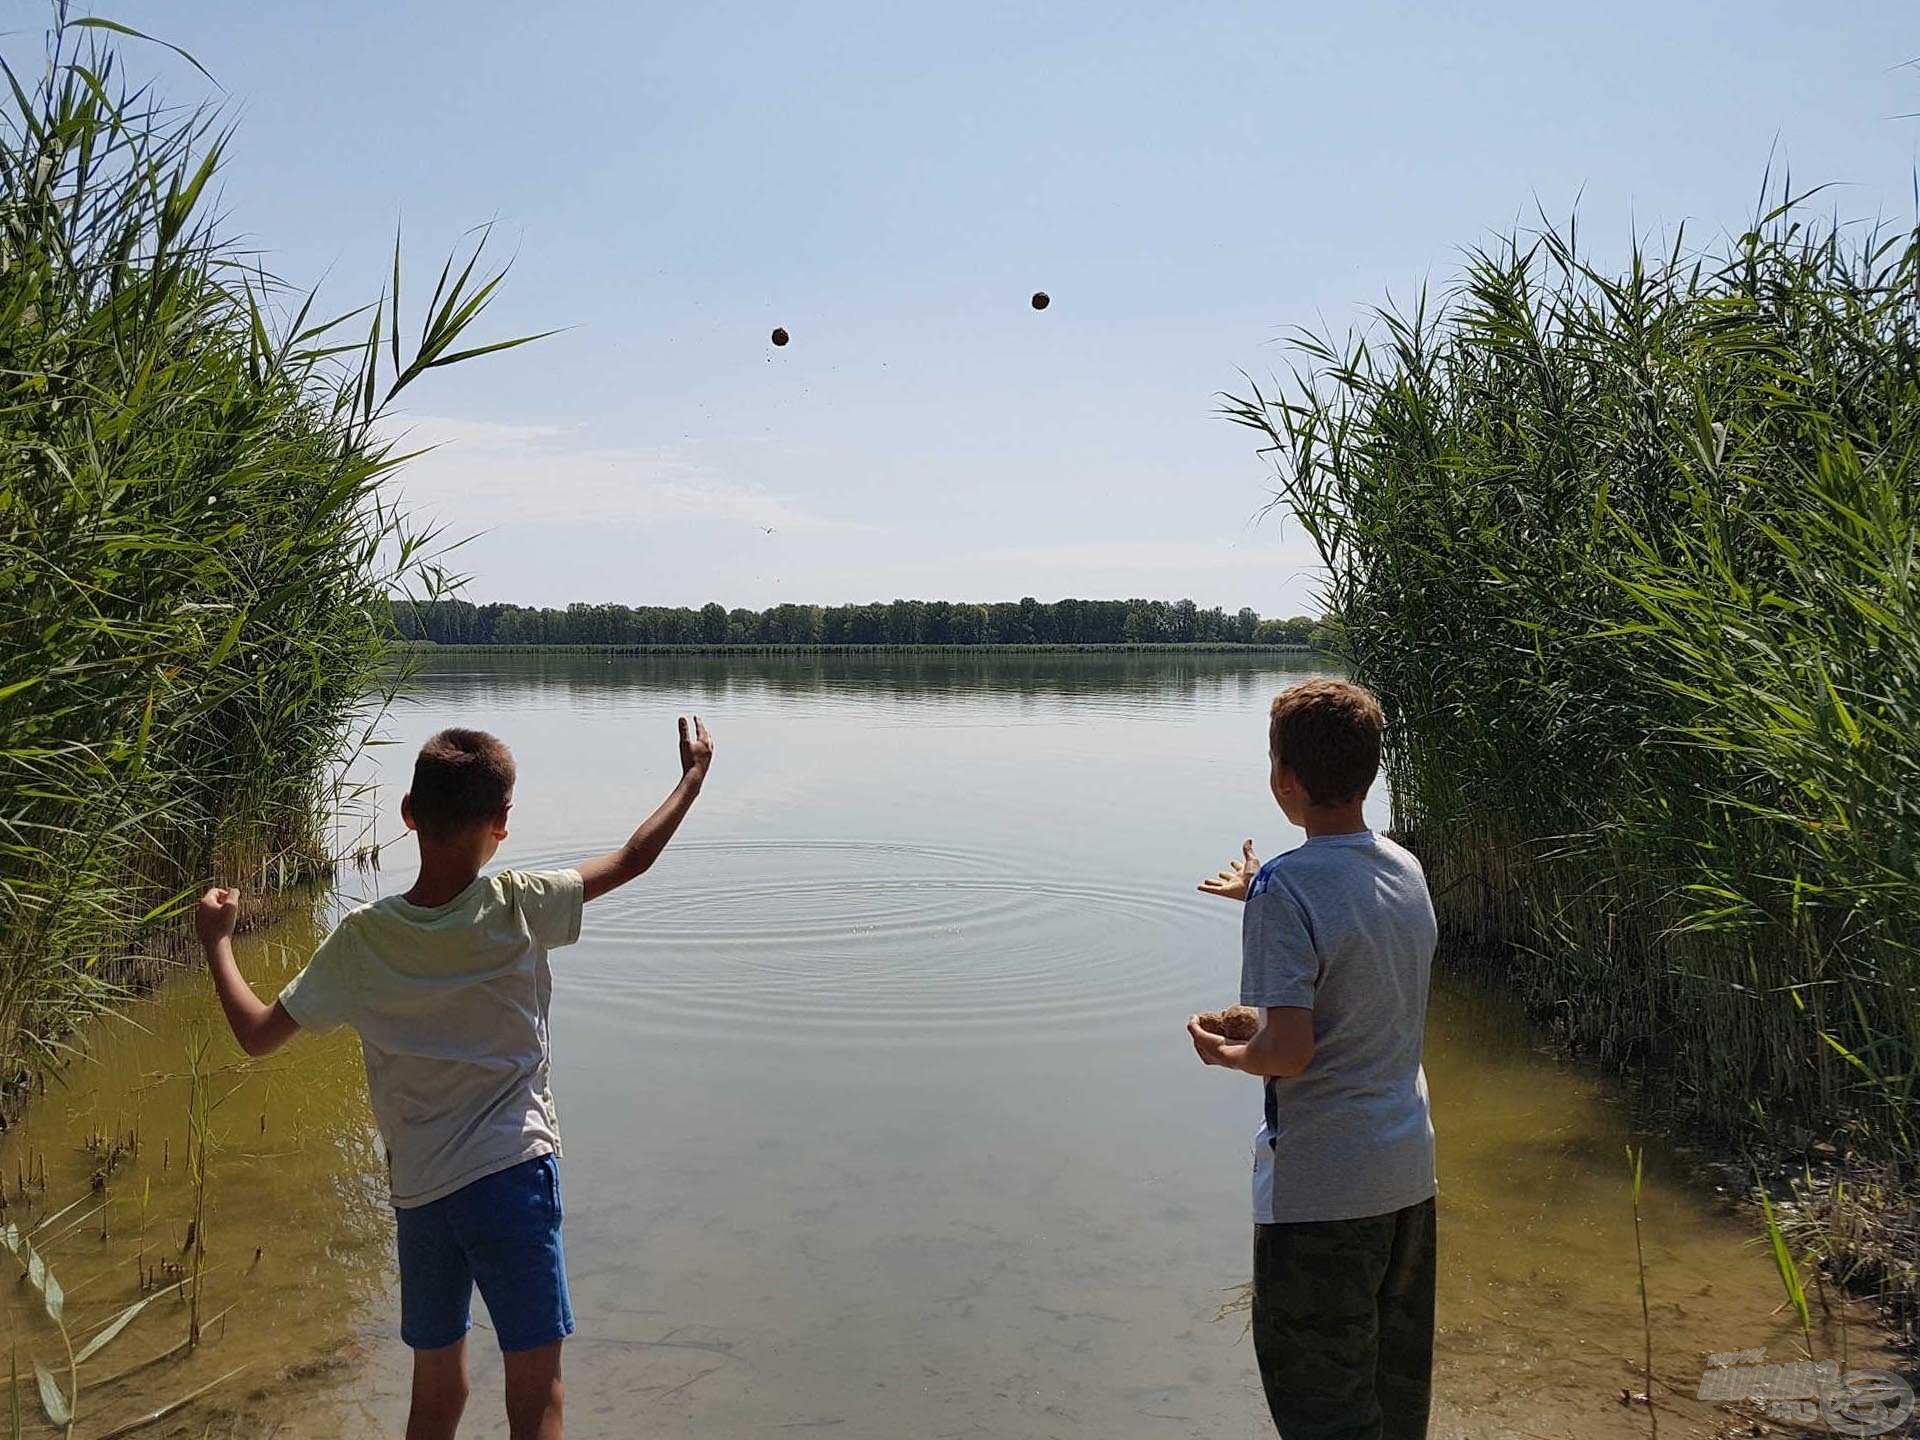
(779, 335)
(1041, 300)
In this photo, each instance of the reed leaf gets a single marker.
(173, 1407)
(112, 1329)
(1788, 1270)
(52, 1399)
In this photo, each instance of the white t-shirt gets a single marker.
(450, 1003)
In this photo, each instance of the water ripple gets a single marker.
(854, 938)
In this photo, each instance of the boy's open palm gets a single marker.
(643, 847)
(696, 749)
(1232, 883)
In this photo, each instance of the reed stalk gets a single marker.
(1635, 1158)
(200, 1108)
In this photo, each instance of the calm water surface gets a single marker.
(880, 1117)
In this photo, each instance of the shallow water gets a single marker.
(880, 1117)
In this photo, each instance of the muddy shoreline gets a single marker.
(1857, 1221)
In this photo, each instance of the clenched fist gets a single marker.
(216, 915)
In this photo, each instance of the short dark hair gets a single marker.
(1328, 733)
(461, 778)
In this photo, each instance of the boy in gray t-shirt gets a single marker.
(1337, 938)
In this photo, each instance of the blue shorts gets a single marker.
(501, 1233)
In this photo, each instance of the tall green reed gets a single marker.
(1629, 553)
(197, 539)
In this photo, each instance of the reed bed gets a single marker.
(1629, 553)
(195, 546)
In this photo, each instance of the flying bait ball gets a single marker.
(1041, 300)
(1238, 1023)
(779, 336)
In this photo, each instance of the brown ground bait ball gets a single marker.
(779, 336)
(1041, 300)
(1237, 1023)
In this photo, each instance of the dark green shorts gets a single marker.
(1343, 1325)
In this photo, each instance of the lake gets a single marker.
(880, 1115)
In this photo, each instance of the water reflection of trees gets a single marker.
(909, 675)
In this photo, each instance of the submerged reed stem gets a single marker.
(1634, 1158)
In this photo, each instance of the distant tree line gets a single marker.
(897, 622)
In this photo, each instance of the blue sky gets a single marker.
(890, 182)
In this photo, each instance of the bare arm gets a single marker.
(643, 847)
(260, 1028)
(1281, 1049)
(1283, 1045)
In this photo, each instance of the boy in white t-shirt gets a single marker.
(448, 987)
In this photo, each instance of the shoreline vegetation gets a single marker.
(698, 649)
(897, 623)
(1632, 556)
(197, 544)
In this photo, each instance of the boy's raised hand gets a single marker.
(260, 1029)
(643, 847)
(696, 750)
(1232, 882)
(216, 915)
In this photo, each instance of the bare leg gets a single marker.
(439, 1392)
(535, 1395)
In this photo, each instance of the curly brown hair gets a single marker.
(461, 778)
(1328, 733)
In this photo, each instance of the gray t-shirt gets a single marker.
(451, 1005)
(1343, 926)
